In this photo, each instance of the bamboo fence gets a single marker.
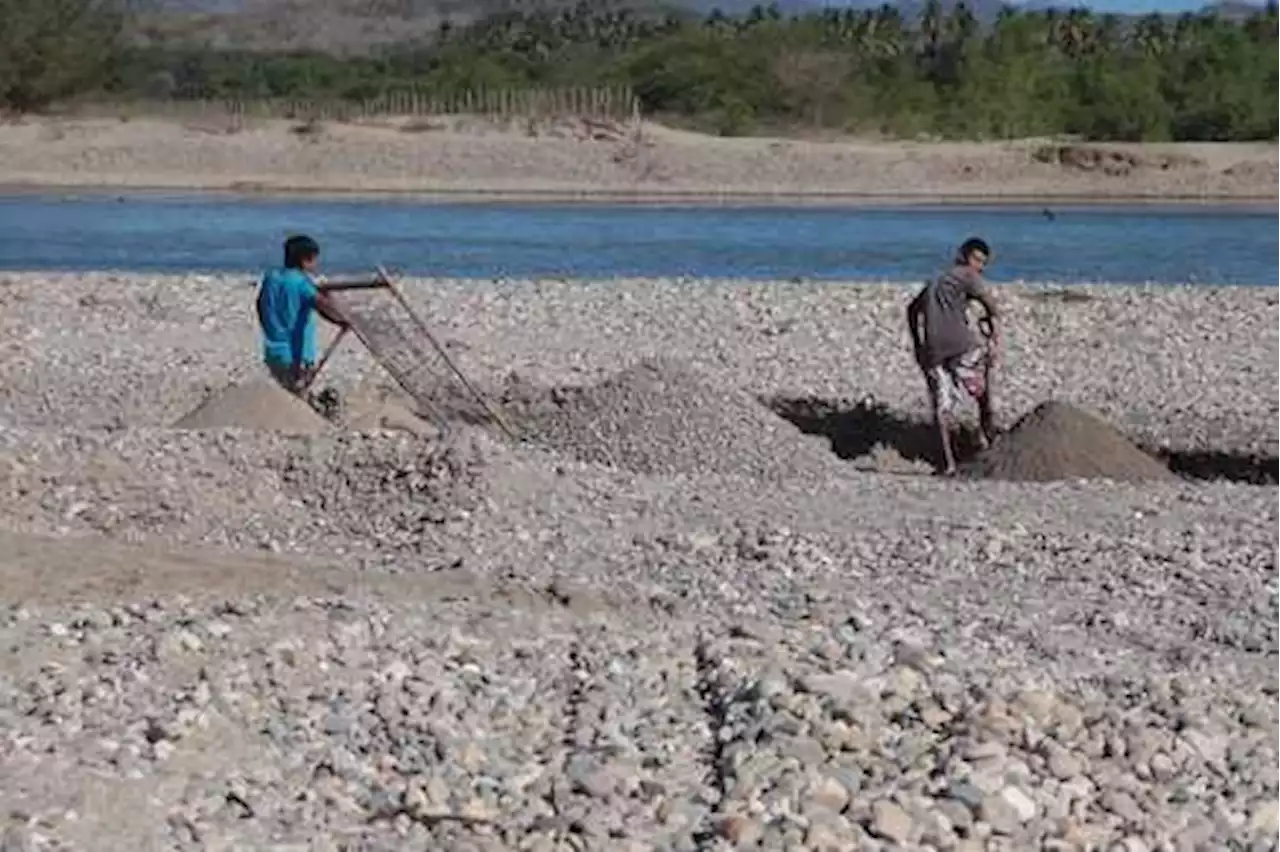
(616, 104)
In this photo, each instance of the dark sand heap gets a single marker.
(260, 405)
(662, 416)
(1060, 441)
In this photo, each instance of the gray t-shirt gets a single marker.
(943, 308)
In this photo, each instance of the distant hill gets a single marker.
(741, 7)
(354, 26)
(1233, 10)
(338, 26)
(346, 26)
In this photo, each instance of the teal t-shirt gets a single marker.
(286, 311)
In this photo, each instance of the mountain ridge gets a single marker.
(357, 26)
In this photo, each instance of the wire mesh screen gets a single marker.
(405, 347)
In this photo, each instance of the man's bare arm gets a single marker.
(257, 306)
(327, 309)
(914, 311)
(982, 294)
(913, 325)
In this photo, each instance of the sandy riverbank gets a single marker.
(705, 631)
(471, 159)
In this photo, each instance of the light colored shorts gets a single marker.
(962, 375)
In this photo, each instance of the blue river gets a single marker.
(216, 233)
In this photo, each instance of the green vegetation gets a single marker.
(1196, 77)
(52, 49)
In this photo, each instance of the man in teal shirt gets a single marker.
(288, 302)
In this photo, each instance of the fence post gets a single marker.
(613, 102)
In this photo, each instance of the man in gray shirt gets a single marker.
(953, 358)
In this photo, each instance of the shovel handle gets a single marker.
(327, 354)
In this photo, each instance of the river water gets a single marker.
(214, 233)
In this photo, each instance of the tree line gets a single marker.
(1198, 76)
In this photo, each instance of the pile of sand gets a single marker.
(368, 409)
(661, 416)
(261, 405)
(389, 416)
(1060, 441)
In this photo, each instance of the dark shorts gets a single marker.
(294, 379)
(962, 375)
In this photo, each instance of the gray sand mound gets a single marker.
(1060, 441)
(261, 405)
(662, 416)
(370, 408)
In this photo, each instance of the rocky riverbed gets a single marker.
(693, 627)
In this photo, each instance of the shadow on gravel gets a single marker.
(856, 429)
(1215, 465)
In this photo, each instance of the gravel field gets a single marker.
(669, 620)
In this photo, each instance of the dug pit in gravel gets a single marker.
(260, 405)
(661, 416)
(1060, 441)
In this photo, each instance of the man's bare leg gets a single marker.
(942, 419)
(986, 406)
(987, 411)
(987, 420)
(944, 436)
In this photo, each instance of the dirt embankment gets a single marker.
(461, 156)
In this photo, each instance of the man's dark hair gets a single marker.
(971, 245)
(298, 249)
